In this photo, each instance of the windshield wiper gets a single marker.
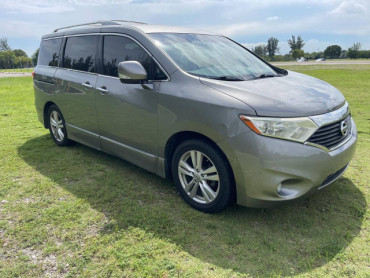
(228, 78)
(267, 75)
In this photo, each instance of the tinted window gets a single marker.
(49, 52)
(79, 53)
(118, 49)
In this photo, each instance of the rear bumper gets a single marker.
(270, 172)
(40, 101)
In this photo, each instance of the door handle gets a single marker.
(103, 90)
(87, 85)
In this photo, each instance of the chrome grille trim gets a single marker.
(339, 141)
(331, 117)
(328, 136)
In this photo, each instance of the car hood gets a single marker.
(293, 95)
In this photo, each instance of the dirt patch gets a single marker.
(49, 262)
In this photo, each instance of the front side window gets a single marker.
(211, 56)
(118, 49)
(80, 52)
(49, 52)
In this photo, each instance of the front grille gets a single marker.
(331, 135)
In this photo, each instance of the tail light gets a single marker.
(33, 74)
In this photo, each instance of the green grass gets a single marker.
(79, 212)
(328, 60)
(17, 70)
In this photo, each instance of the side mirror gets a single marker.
(131, 72)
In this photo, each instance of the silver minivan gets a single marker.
(196, 107)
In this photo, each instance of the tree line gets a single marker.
(269, 51)
(17, 58)
(12, 59)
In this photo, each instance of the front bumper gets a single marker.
(269, 172)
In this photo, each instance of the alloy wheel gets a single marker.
(199, 176)
(57, 126)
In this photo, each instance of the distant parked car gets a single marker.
(302, 59)
(320, 60)
(196, 107)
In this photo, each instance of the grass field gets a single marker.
(74, 211)
(17, 70)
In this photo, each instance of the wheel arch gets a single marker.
(45, 112)
(176, 139)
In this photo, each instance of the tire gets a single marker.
(57, 126)
(207, 186)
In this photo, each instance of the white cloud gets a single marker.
(24, 29)
(350, 8)
(35, 7)
(317, 23)
(273, 18)
(314, 45)
(240, 19)
(251, 45)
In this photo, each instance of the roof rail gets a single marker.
(119, 20)
(102, 23)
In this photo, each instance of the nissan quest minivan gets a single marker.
(196, 107)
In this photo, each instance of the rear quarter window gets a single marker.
(49, 52)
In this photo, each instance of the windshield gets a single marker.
(212, 56)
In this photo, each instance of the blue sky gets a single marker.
(320, 23)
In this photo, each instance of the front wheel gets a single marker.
(202, 176)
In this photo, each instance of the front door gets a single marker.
(127, 113)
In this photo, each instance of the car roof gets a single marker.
(150, 28)
(117, 25)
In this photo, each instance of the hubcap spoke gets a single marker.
(186, 168)
(61, 134)
(55, 116)
(193, 159)
(209, 170)
(53, 122)
(194, 190)
(196, 159)
(189, 186)
(185, 172)
(212, 178)
(199, 160)
(208, 193)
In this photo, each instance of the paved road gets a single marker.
(14, 74)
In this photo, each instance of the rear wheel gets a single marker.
(57, 126)
(202, 176)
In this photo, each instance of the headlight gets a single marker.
(295, 129)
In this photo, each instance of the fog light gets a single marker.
(289, 188)
(278, 189)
